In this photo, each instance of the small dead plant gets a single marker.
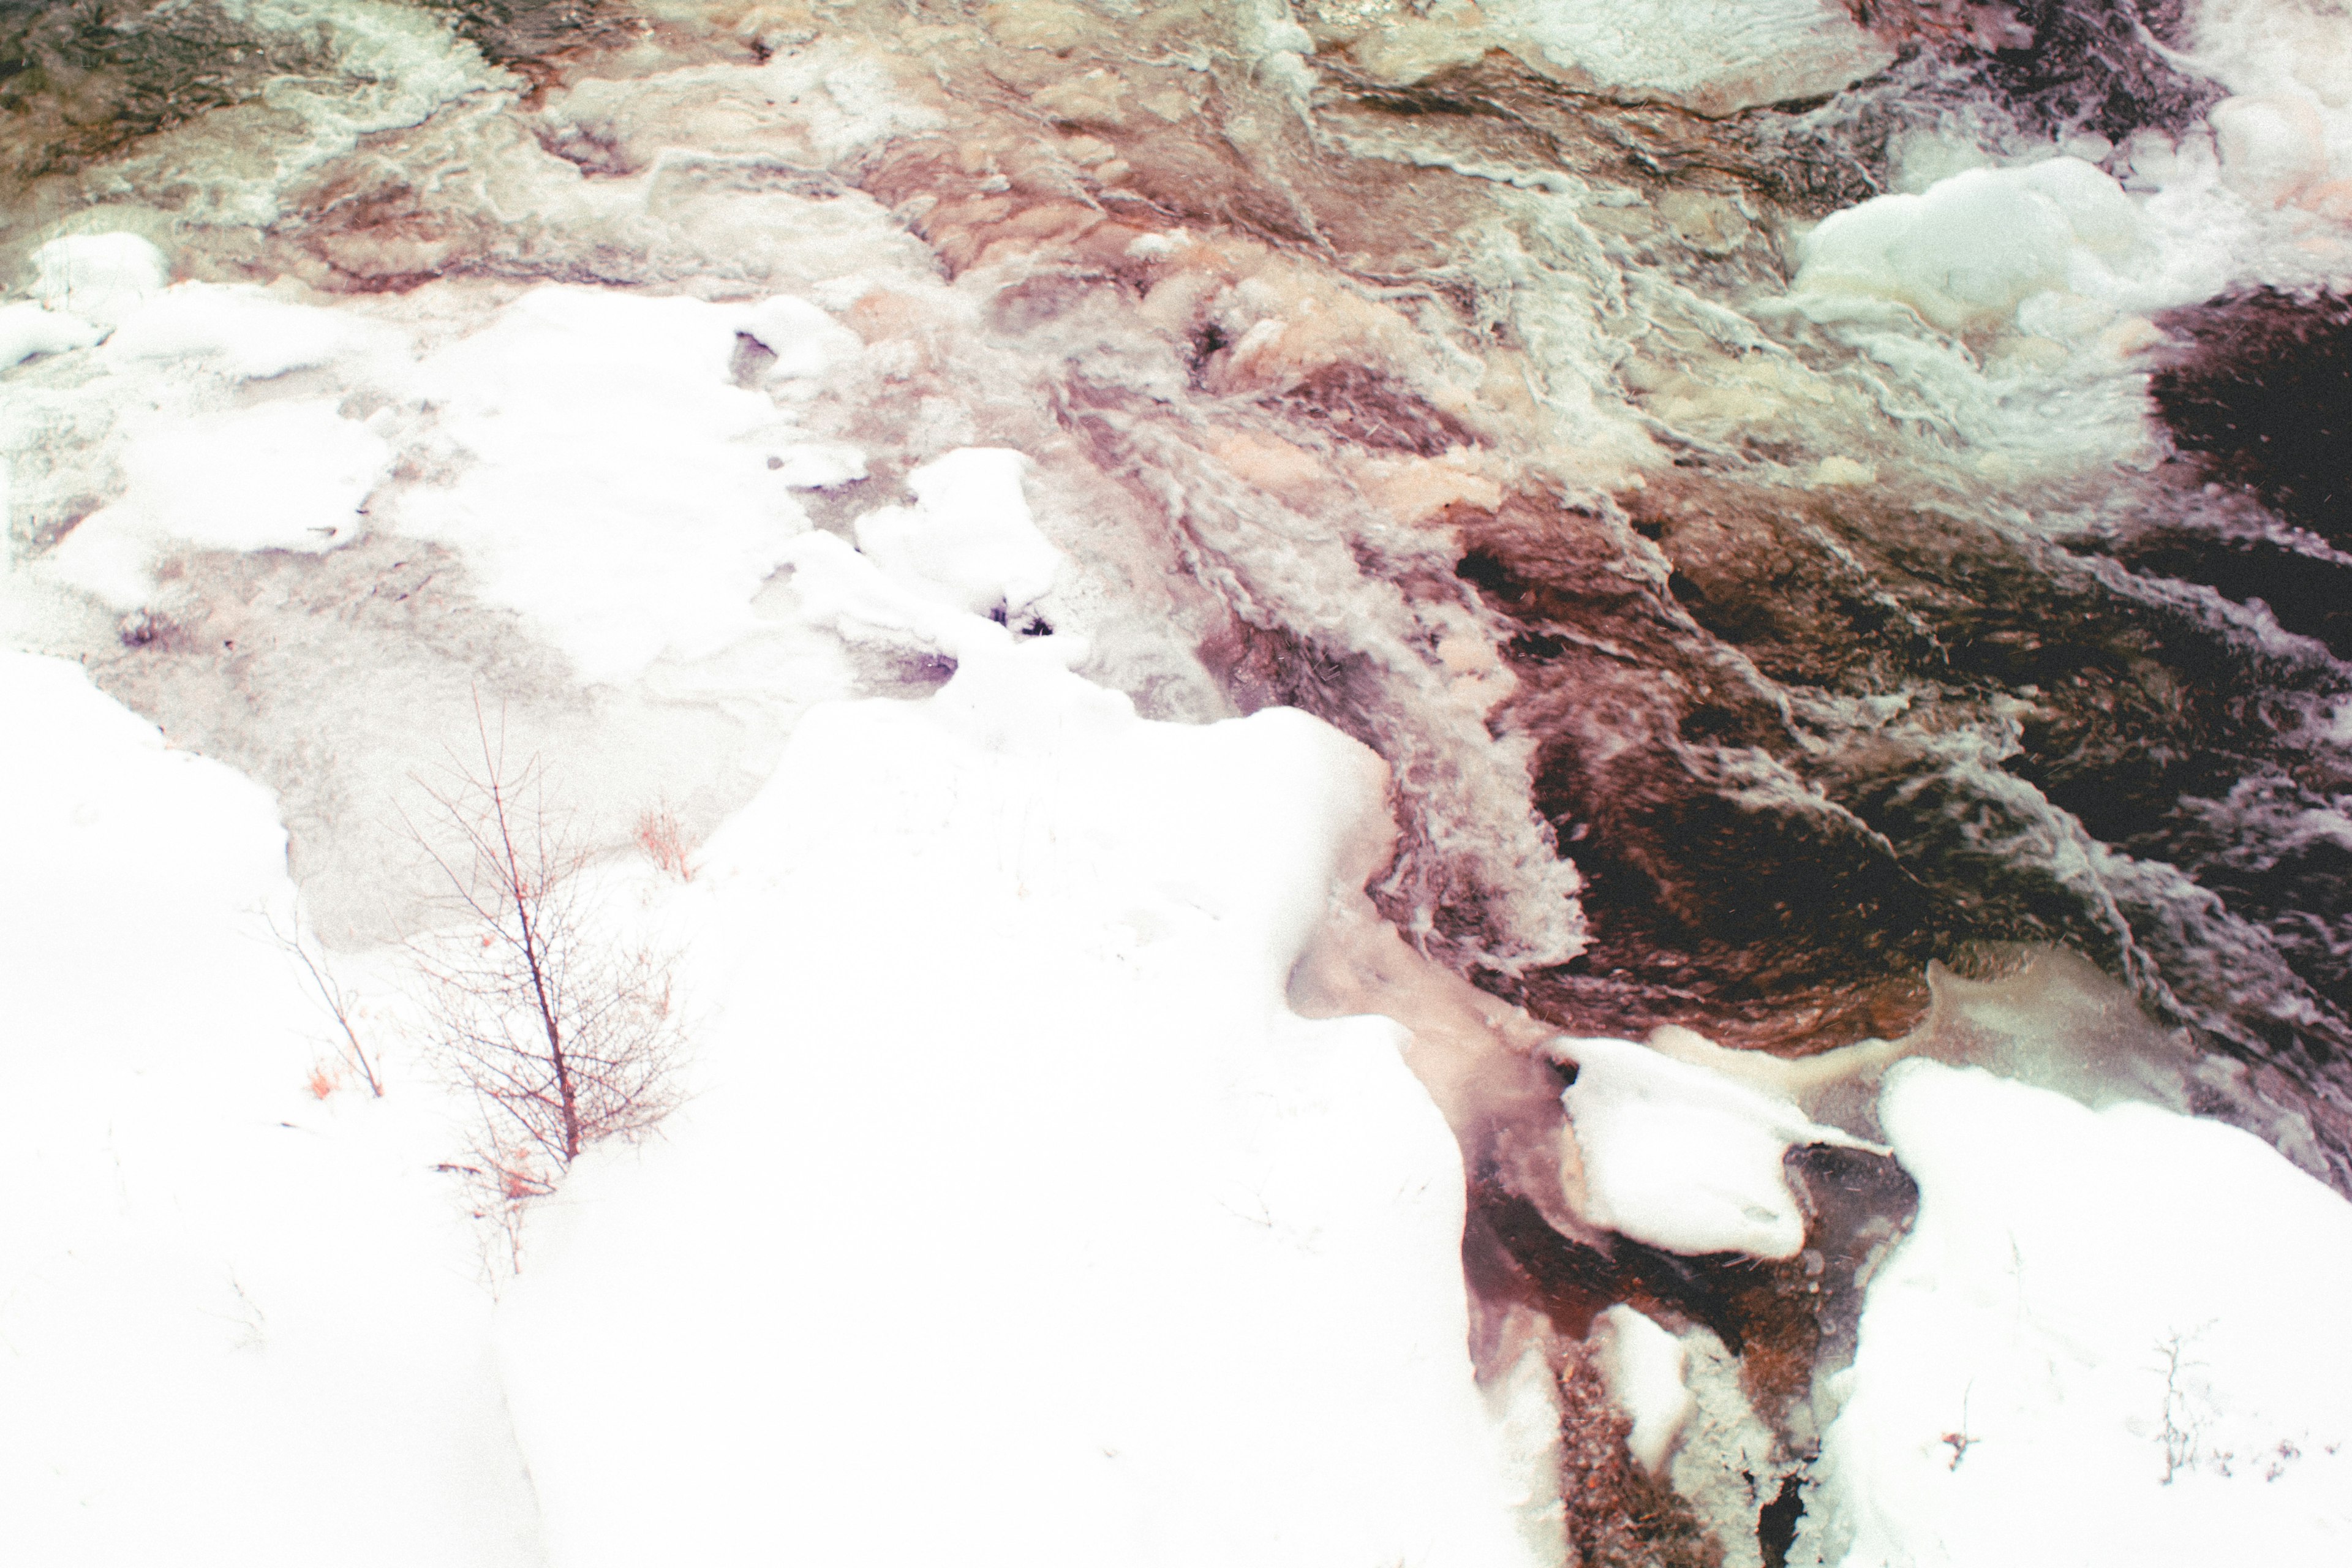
(341, 1002)
(664, 841)
(2183, 1433)
(562, 1033)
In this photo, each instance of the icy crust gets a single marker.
(590, 453)
(1644, 1366)
(1715, 57)
(2097, 1345)
(238, 1323)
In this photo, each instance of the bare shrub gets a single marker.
(2183, 1430)
(338, 1000)
(664, 841)
(562, 1034)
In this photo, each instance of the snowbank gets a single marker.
(240, 1323)
(1014, 1187)
(1011, 1182)
(2106, 1339)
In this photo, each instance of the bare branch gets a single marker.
(560, 1034)
(337, 998)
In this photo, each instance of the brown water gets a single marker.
(1519, 489)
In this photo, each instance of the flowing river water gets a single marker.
(1751, 618)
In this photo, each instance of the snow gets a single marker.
(966, 1152)
(1968, 251)
(968, 535)
(1682, 1157)
(1643, 1365)
(26, 329)
(238, 1323)
(101, 278)
(2010, 1398)
(284, 476)
(241, 331)
(1009, 1178)
(604, 474)
(1000, 1088)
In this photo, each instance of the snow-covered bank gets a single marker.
(2100, 1337)
(1010, 1179)
(1015, 1186)
(239, 1323)
(2106, 1339)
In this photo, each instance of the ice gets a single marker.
(1968, 251)
(1716, 56)
(284, 476)
(968, 537)
(2098, 1343)
(1682, 1157)
(26, 329)
(101, 278)
(1643, 1365)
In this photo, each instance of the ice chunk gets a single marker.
(241, 330)
(285, 475)
(1965, 252)
(805, 339)
(101, 278)
(1683, 1157)
(968, 537)
(26, 329)
(1643, 1365)
(1714, 56)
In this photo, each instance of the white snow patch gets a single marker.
(284, 476)
(600, 473)
(1683, 1157)
(2016, 1376)
(27, 328)
(239, 329)
(101, 278)
(968, 537)
(1643, 1365)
